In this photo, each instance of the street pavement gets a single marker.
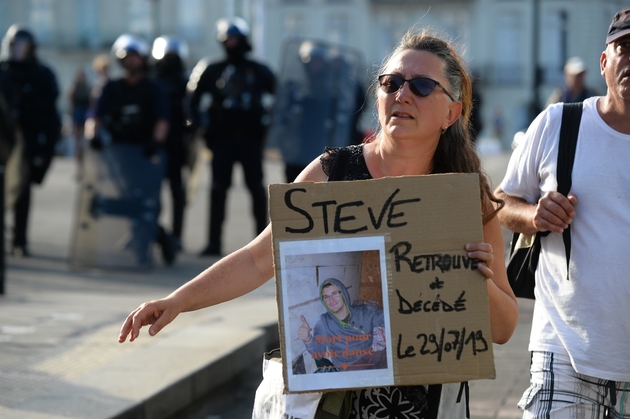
(59, 355)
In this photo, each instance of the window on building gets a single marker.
(3, 13)
(391, 28)
(189, 19)
(455, 23)
(243, 8)
(294, 26)
(509, 65)
(42, 20)
(88, 34)
(553, 46)
(140, 17)
(337, 28)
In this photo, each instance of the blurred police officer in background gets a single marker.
(170, 53)
(235, 122)
(30, 90)
(318, 104)
(133, 110)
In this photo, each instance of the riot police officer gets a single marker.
(133, 110)
(31, 91)
(236, 122)
(170, 53)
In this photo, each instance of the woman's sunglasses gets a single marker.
(420, 86)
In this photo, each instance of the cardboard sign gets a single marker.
(374, 286)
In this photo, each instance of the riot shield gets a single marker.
(194, 167)
(317, 101)
(118, 208)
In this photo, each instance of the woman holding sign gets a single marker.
(424, 104)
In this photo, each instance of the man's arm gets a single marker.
(553, 212)
(236, 274)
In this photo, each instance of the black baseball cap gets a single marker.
(620, 26)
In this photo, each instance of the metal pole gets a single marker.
(535, 104)
(2, 229)
(259, 28)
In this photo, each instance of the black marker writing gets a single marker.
(430, 305)
(432, 262)
(445, 342)
(344, 219)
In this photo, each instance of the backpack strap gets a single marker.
(571, 117)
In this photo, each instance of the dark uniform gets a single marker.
(130, 112)
(476, 121)
(7, 129)
(169, 53)
(31, 91)
(236, 124)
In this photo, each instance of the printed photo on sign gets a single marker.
(336, 312)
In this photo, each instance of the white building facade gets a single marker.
(499, 38)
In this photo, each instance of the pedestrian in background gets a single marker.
(170, 54)
(235, 123)
(100, 66)
(424, 130)
(580, 337)
(476, 119)
(31, 92)
(79, 101)
(574, 88)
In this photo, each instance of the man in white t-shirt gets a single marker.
(580, 338)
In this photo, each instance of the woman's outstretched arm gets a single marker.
(229, 278)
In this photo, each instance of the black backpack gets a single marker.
(525, 250)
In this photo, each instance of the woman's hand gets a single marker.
(484, 253)
(157, 313)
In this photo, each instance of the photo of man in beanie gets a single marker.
(346, 336)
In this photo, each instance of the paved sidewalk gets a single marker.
(59, 356)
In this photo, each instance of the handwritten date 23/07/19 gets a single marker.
(437, 345)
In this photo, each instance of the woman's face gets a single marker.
(402, 114)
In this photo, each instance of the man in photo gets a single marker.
(347, 336)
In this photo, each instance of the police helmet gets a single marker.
(166, 44)
(232, 26)
(130, 43)
(18, 44)
(310, 50)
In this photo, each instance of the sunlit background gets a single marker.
(515, 48)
